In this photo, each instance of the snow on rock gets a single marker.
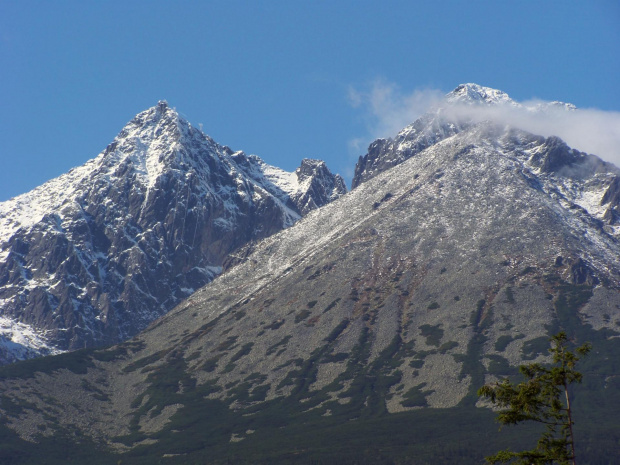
(92, 257)
(583, 180)
(475, 94)
(479, 201)
(19, 341)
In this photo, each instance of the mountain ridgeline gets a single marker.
(92, 257)
(361, 333)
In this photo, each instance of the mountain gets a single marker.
(361, 333)
(446, 119)
(92, 257)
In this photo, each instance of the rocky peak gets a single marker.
(546, 107)
(427, 130)
(476, 94)
(439, 123)
(157, 121)
(317, 185)
(554, 155)
(94, 256)
(317, 176)
(158, 139)
(309, 167)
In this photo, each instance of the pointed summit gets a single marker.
(153, 115)
(471, 93)
(440, 122)
(156, 140)
(92, 257)
(162, 105)
(318, 185)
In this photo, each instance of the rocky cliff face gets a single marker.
(371, 322)
(92, 257)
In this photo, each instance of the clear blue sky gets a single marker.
(274, 77)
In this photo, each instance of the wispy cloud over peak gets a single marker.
(387, 109)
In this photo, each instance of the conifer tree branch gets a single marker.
(540, 399)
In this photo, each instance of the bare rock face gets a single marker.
(320, 186)
(384, 154)
(92, 257)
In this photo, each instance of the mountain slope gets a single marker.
(361, 333)
(92, 257)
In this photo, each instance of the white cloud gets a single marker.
(588, 130)
(387, 109)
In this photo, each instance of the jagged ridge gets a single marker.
(92, 257)
(437, 124)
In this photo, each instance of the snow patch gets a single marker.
(20, 341)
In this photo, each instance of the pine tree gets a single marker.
(544, 398)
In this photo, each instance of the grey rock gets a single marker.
(123, 239)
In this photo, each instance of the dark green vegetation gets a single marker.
(284, 434)
(433, 334)
(503, 341)
(77, 362)
(344, 422)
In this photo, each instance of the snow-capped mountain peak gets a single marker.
(158, 138)
(467, 104)
(93, 256)
(476, 94)
(546, 107)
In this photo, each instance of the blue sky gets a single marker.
(275, 78)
